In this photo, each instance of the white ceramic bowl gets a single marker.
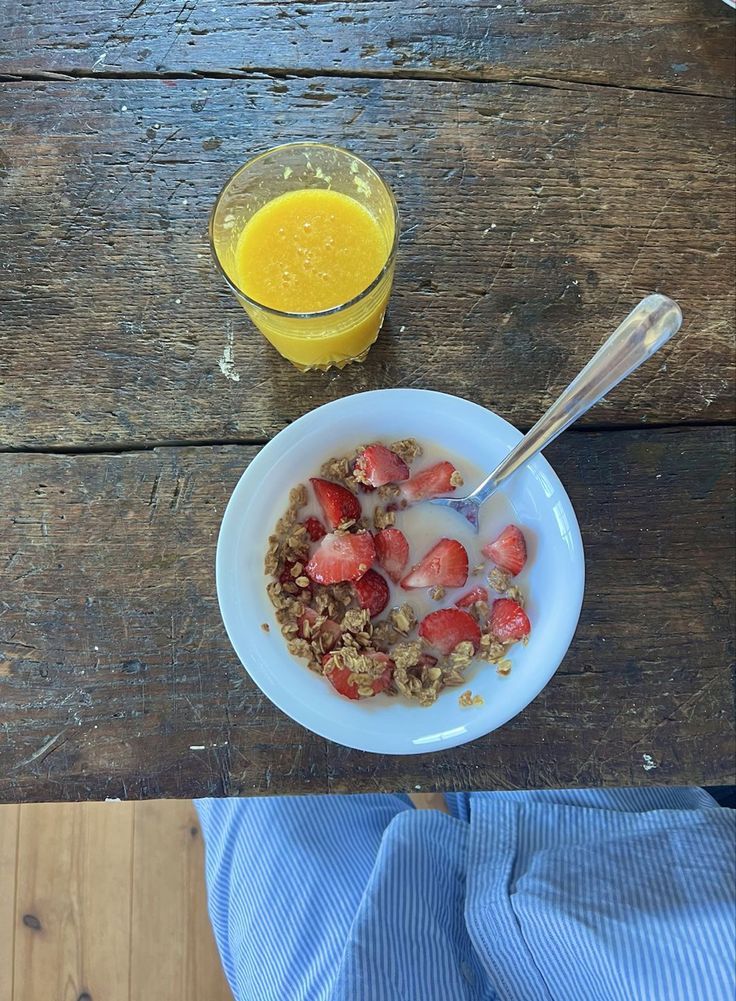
(553, 579)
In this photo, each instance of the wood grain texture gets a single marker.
(115, 901)
(174, 955)
(117, 679)
(9, 821)
(679, 44)
(533, 219)
(73, 902)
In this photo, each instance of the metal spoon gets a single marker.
(644, 331)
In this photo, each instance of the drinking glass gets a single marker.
(330, 337)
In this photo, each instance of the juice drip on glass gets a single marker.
(309, 250)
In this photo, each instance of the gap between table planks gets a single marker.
(105, 901)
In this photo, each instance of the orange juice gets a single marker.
(305, 235)
(309, 250)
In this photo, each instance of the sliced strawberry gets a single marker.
(315, 529)
(392, 552)
(429, 483)
(445, 565)
(448, 627)
(372, 592)
(329, 630)
(470, 597)
(509, 621)
(377, 465)
(336, 501)
(340, 677)
(508, 551)
(341, 556)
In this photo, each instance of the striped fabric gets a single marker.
(580, 895)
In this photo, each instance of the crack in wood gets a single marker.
(296, 72)
(124, 448)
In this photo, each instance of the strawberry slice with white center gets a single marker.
(508, 551)
(392, 552)
(445, 565)
(430, 482)
(337, 503)
(447, 627)
(341, 556)
(508, 620)
(377, 465)
(372, 592)
(470, 597)
(340, 677)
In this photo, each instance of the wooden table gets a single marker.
(553, 162)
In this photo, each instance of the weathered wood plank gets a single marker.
(533, 219)
(117, 679)
(677, 44)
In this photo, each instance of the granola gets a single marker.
(389, 491)
(498, 580)
(406, 654)
(337, 469)
(385, 635)
(467, 700)
(403, 619)
(383, 518)
(407, 449)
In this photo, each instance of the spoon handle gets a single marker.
(647, 327)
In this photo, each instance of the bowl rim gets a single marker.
(259, 466)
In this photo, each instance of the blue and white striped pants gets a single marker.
(581, 895)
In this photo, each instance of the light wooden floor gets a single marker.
(105, 902)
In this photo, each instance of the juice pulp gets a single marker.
(309, 250)
(312, 250)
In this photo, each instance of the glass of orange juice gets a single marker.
(305, 235)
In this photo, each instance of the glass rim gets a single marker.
(322, 312)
